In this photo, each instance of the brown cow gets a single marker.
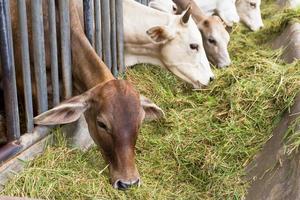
(113, 109)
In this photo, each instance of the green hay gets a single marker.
(200, 150)
(292, 138)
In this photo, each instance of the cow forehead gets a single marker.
(191, 33)
(118, 100)
(216, 29)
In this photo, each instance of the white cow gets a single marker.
(167, 40)
(215, 37)
(226, 9)
(249, 12)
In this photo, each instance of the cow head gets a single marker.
(226, 9)
(249, 12)
(114, 112)
(164, 5)
(214, 34)
(215, 39)
(181, 49)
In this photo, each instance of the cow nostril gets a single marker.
(211, 78)
(125, 185)
(122, 186)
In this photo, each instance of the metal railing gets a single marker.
(103, 25)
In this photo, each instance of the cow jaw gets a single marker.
(227, 11)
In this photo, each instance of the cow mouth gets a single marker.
(196, 84)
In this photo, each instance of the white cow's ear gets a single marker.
(67, 112)
(152, 111)
(160, 34)
(186, 15)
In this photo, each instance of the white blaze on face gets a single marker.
(182, 51)
(163, 5)
(226, 9)
(250, 14)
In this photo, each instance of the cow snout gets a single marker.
(124, 185)
(212, 78)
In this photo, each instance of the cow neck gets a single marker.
(88, 69)
(138, 46)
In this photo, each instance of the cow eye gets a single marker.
(194, 47)
(212, 41)
(101, 125)
(253, 5)
(174, 9)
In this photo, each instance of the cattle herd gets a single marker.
(183, 36)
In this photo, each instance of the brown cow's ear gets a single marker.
(67, 112)
(152, 111)
(160, 34)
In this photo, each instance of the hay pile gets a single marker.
(200, 150)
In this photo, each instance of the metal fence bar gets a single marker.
(120, 36)
(98, 39)
(105, 22)
(39, 55)
(9, 150)
(144, 2)
(8, 70)
(89, 20)
(64, 13)
(113, 37)
(26, 65)
(53, 52)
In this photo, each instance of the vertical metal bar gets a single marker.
(26, 64)
(105, 21)
(64, 13)
(89, 20)
(8, 70)
(98, 39)
(53, 51)
(113, 37)
(39, 54)
(120, 35)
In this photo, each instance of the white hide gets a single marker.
(294, 3)
(163, 39)
(226, 9)
(250, 14)
(289, 3)
(167, 6)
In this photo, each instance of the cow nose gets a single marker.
(212, 78)
(123, 185)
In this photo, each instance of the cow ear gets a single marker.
(152, 111)
(186, 15)
(67, 112)
(160, 34)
